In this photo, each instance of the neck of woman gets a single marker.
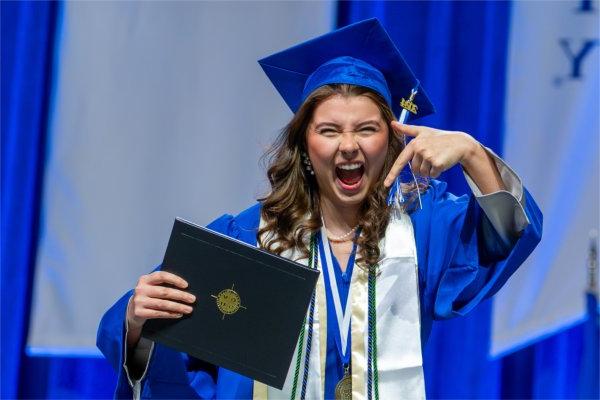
(338, 220)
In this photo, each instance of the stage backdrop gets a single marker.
(551, 139)
(159, 110)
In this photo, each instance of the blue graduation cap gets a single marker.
(360, 54)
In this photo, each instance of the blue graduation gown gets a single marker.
(457, 270)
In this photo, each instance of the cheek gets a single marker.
(321, 150)
(375, 150)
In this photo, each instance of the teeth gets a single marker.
(350, 166)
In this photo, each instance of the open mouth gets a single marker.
(350, 175)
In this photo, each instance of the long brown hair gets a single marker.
(291, 210)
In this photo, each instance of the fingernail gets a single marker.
(192, 298)
(179, 315)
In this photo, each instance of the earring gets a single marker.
(307, 163)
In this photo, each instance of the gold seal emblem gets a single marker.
(228, 301)
(408, 104)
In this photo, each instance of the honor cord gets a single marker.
(372, 369)
(310, 329)
(298, 359)
(312, 263)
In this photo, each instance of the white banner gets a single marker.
(160, 110)
(551, 139)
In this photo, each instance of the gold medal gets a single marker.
(343, 389)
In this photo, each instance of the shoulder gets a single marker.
(438, 193)
(250, 217)
(437, 198)
(242, 226)
(440, 210)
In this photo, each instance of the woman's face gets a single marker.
(347, 142)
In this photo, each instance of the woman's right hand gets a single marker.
(153, 299)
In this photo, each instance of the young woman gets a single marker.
(387, 271)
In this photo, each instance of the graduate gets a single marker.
(394, 253)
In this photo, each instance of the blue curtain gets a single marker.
(28, 44)
(459, 50)
(64, 377)
(27, 41)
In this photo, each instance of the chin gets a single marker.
(351, 200)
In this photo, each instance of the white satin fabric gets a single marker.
(400, 361)
(398, 325)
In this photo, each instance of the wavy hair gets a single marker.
(291, 210)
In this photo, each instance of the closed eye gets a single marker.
(327, 131)
(368, 126)
(368, 130)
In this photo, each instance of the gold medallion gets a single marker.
(343, 389)
(228, 301)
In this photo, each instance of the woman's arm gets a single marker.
(481, 167)
(150, 369)
(468, 246)
(433, 151)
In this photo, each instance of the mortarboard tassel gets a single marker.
(396, 198)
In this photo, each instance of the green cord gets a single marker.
(301, 339)
(373, 333)
(298, 359)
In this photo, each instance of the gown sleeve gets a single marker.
(468, 246)
(166, 372)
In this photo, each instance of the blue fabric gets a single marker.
(450, 280)
(297, 71)
(588, 385)
(458, 50)
(66, 377)
(562, 366)
(351, 71)
(27, 42)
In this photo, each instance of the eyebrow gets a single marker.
(371, 121)
(337, 126)
(327, 125)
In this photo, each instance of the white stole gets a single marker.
(400, 361)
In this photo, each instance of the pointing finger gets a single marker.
(404, 157)
(410, 130)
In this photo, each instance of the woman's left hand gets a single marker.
(431, 152)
